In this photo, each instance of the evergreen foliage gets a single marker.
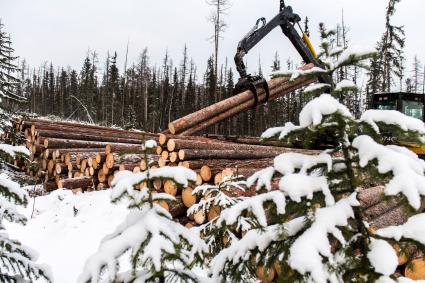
(388, 64)
(311, 225)
(161, 250)
(214, 199)
(9, 80)
(17, 263)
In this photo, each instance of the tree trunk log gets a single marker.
(91, 136)
(211, 111)
(274, 93)
(194, 154)
(83, 182)
(176, 145)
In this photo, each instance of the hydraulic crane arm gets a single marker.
(287, 20)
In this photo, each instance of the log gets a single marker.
(170, 187)
(221, 164)
(68, 143)
(416, 270)
(176, 145)
(199, 217)
(178, 209)
(84, 128)
(206, 173)
(194, 154)
(196, 118)
(187, 197)
(92, 136)
(47, 153)
(244, 140)
(83, 182)
(371, 196)
(274, 93)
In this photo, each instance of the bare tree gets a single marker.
(216, 18)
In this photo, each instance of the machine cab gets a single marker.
(411, 104)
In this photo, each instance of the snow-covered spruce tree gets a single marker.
(312, 224)
(161, 250)
(17, 262)
(214, 199)
(9, 71)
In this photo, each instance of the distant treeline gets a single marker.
(147, 97)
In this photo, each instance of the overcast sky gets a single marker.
(61, 31)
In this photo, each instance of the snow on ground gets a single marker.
(67, 228)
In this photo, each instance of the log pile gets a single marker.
(77, 156)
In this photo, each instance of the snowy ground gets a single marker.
(67, 228)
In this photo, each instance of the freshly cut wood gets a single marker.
(128, 167)
(62, 168)
(244, 140)
(187, 197)
(221, 164)
(163, 204)
(170, 187)
(165, 155)
(176, 145)
(199, 217)
(102, 176)
(83, 182)
(197, 117)
(416, 270)
(214, 212)
(92, 136)
(206, 173)
(285, 89)
(83, 128)
(174, 157)
(265, 274)
(194, 154)
(115, 147)
(110, 160)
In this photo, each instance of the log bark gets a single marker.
(176, 145)
(90, 136)
(244, 140)
(194, 154)
(115, 147)
(198, 117)
(83, 182)
(221, 164)
(274, 93)
(37, 124)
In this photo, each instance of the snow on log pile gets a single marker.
(83, 157)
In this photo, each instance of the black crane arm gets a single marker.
(286, 19)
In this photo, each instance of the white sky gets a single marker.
(61, 31)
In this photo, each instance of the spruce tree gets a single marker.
(17, 263)
(389, 62)
(311, 224)
(9, 71)
(161, 249)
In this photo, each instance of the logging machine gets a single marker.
(410, 104)
(288, 21)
